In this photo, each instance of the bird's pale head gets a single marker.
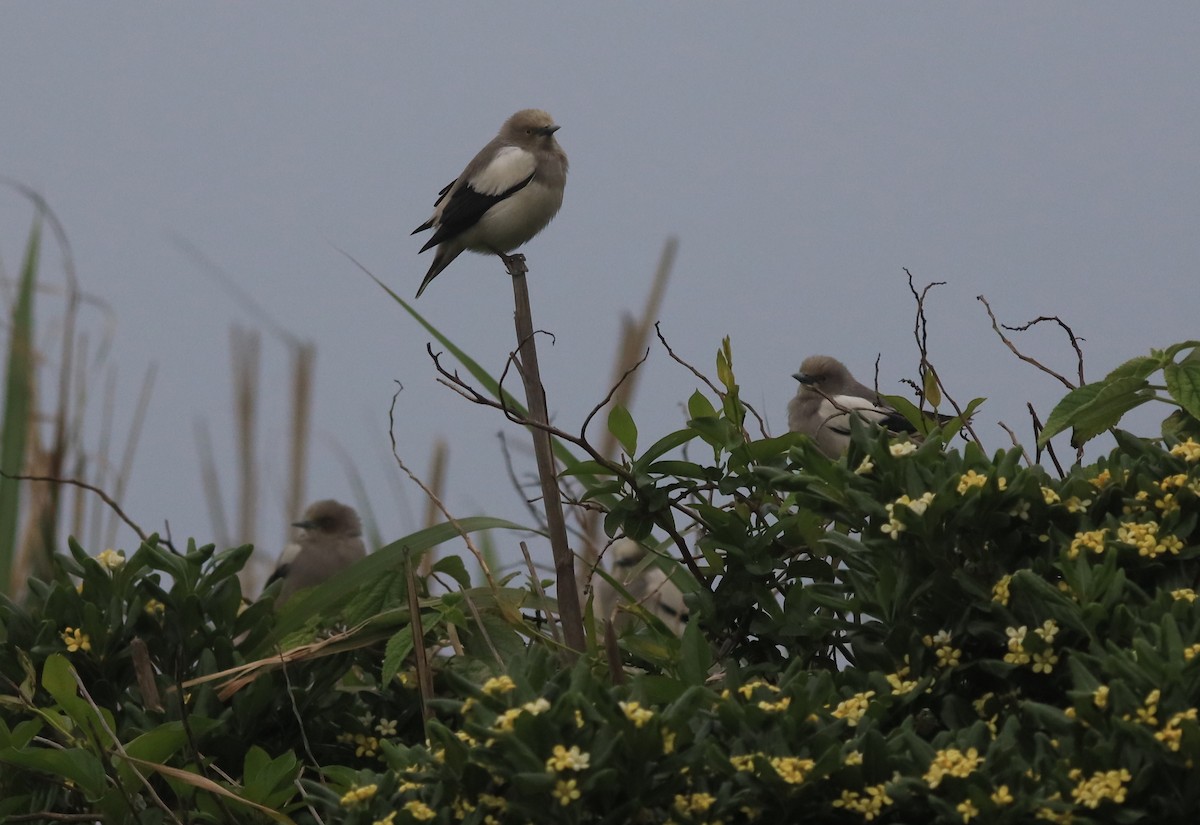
(824, 373)
(331, 518)
(529, 127)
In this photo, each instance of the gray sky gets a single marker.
(1045, 155)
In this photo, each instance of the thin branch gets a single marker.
(1013, 438)
(1028, 359)
(433, 496)
(762, 424)
(76, 482)
(1037, 432)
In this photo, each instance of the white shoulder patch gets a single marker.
(510, 166)
(834, 409)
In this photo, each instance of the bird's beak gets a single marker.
(549, 130)
(307, 525)
(804, 378)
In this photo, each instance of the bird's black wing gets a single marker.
(464, 209)
(441, 195)
(280, 572)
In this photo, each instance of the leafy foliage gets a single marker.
(913, 632)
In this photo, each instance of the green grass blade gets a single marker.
(18, 400)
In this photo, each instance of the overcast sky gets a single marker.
(1046, 155)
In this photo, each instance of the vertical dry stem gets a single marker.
(535, 398)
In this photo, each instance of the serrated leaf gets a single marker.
(1141, 367)
(397, 650)
(1093, 408)
(621, 425)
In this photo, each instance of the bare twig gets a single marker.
(454, 382)
(421, 661)
(536, 583)
(76, 482)
(483, 565)
(1013, 438)
(1037, 431)
(1027, 359)
(762, 425)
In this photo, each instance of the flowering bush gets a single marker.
(912, 632)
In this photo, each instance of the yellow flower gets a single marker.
(154, 608)
(854, 708)
(357, 794)
(696, 803)
(1091, 540)
(365, 745)
(966, 810)
(668, 741)
(1188, 450)
(540, 705)
(1191, 652)
(1100, 786)
(567, 760)
(1074, 504)
(635, 713)
(899, 684)
(498, 685)
(743, 762)
(792, 769)
(76, 640)
(853, 758)
(1045, 661)
(419, 810)
(111, 560)
(969, 480)
(1000, 589)
(1184, 594)
(869, 803)
(386, 727)
(387, 820)
(1047, 631)
(1050, 496)
(948, 656)
(504, 722)
(566, 791)
(1171, 733)
(776, 707)
(499, 803)
(1002, 796)
(1100, 697)
(865, 467)
(952, 762)
(902, 448)
(1142, 535)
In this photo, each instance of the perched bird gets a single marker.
(828, 396)
(326, 541)
(649, 587)
(505, 196)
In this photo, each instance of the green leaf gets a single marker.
(1141, 367)
(933, 392)
(1093, 408)
(397, 650)
(57, 679)
(700, 407)
(453, 567)
(621, 425)
(695, 657)
(75, 764)
(1183, 383)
